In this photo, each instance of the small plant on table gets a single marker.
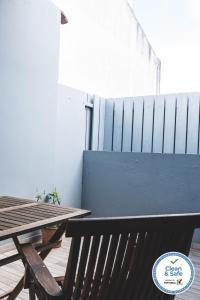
(51, 198)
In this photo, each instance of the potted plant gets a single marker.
(52, 198)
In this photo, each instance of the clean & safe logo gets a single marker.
(173, 273)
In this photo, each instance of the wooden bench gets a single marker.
(111, 258)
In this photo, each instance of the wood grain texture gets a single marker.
(113, 272)
(40, 272)
(56, 263)
(18, 216)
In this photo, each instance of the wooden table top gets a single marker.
(19, 216)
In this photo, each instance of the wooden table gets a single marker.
(19, 216)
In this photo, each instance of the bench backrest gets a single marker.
(112, 258)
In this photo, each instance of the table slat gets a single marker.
(18, 230)
(18, 216)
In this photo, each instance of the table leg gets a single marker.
(55, 238)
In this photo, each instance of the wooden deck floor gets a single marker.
(56, 262)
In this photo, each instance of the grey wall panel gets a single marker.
(193, 124)
(138, 124)
(117, 184)
(158, 124)
(127, 126)
(139, 183)
(159, 111)
(170, 124)
(101, 124)
(181, 124)
(118, 125)
(108, 128)
(95, 123)
(148, 124)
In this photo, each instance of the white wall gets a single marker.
(29, 39)
(105, 51)
(70, 143)
(42, 136)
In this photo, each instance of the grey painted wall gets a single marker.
(133, 183)
(116, 184)
(29, 38)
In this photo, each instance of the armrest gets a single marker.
(41, 275)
